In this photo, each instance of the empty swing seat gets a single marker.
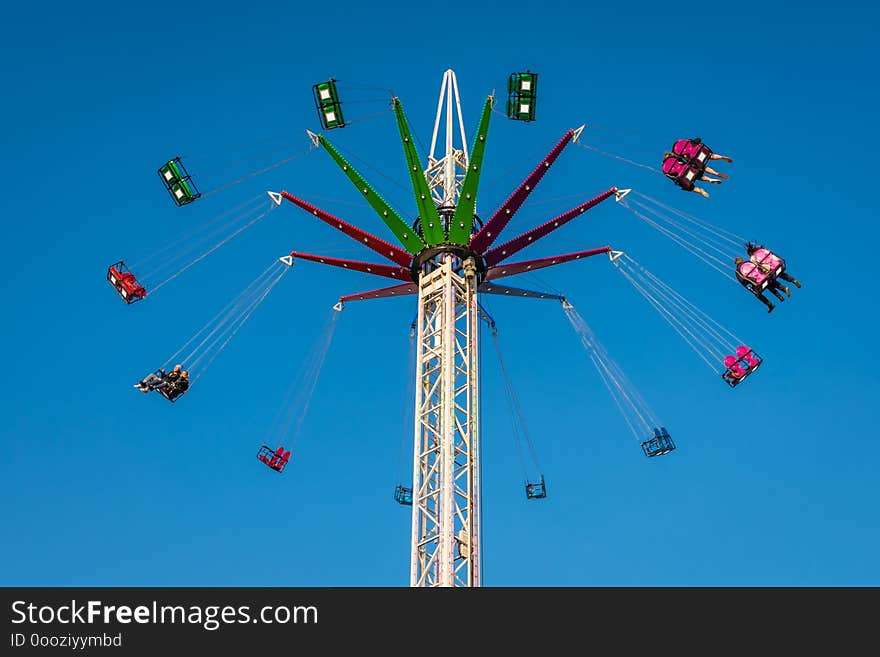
(329, 107)
(276, 460)
(125, 283)
(740, 366)
(659, 444)
(537, 490)
(178, 182)
(403, 495)
(522, 93)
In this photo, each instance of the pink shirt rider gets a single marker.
(766, 259)
(751, 271)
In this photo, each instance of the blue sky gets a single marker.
(773, 483)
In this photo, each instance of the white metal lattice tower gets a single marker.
(446, 548)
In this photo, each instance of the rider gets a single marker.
(751, 276)
(689, 148)
(769, 261)
(674, 166)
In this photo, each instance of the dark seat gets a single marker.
(536, 490)
(403, 495)
(659, 444)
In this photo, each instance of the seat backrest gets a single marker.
(744, 353)
(766, 258)
(751, 271)
(686, 148)
(672, 166)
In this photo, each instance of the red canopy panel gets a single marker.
(498, 221)
(400, 273)
(378, 245)
(514, 268)
(383, 293)
(507, 249)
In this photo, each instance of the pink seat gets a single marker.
(673, 167)
(685, 147)
(745, 353)
(751, 271)
(733, 366)
(766, 259)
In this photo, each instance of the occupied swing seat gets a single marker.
(768, 262)
(681, 173)
(756, 278)
(694, 151)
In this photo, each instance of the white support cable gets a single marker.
(514, 402)
(605, 357)
(674, 293)
(232, 304)
(618, 157)
(237, 328)
(147, 260)
(312, 382)
(614, 396)
(590, 342)
(733, 238)
(204, 255)
(706, 241)
(235, 325)
(675, 324)
(259, 171)
(706, 257)
(234, 310)
(684, 313)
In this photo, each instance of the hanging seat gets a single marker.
(536, 490)
(328, 105)
(403, 495)
(740, 366)
(680, 172)
(276, 460)
(659, 444)
(125, 283)
(522, 93)
(694, 151)
(178, 182)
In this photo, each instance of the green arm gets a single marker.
(407, 236)
(463, 219)
(432, 226)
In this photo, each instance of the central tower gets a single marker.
(446, 454)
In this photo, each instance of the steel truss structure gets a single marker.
(447, 260)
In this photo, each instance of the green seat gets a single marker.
(522, 93)
(328, 105)
(178, 182)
